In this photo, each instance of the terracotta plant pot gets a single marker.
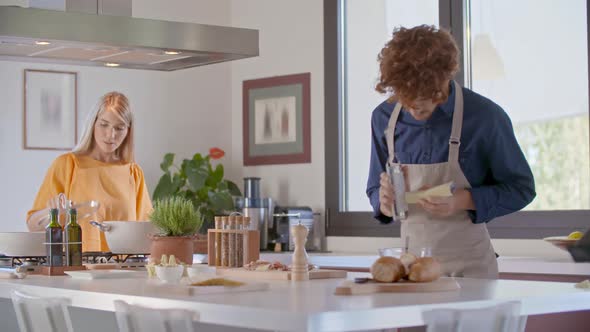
(200, 244)
(179, 246)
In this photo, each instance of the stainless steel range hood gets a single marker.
(38, 35)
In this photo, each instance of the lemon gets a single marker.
(575, 235)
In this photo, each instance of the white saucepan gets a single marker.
(22, 244)
(127, 237)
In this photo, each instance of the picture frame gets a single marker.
(276, 120)
(50, 110)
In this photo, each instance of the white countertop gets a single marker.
(305, 306)
(506, 264)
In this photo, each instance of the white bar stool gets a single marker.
(503, 317)
(38, 314)
(136, 318)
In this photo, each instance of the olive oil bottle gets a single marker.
(54, 240)
(73, 234)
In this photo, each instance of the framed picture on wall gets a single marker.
(50, 110)
(276, 120)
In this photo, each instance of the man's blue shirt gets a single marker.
(489, 155)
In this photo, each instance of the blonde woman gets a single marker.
(101, 167)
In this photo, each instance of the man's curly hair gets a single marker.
(416, 63)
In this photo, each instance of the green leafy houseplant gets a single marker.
(198, 181)
(176, 216)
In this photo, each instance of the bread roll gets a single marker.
(407, 260)
(387, 269)
(425, 269)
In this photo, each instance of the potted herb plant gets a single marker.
(199, 181)
(178, 221)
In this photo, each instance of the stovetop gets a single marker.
(88, 258)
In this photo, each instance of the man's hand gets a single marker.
(447, 206)
(386, 196)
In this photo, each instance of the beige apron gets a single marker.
(109, 184)
(463, 248)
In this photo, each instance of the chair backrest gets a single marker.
(38, 314)
(503, 317)
(136, 318)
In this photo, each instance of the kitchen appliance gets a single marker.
(258, 209)
(103, 33)
(285, 217)
(398, 182)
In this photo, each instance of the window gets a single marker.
(542, 84)
(363, 42)
(510, 56)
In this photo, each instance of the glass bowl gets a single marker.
(398, 251)
(196, 272)
(169, 274)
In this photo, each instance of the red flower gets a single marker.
(216, 153)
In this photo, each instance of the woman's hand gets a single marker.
(447, 206)
(386, 196)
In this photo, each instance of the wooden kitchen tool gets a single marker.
(59, 270)
(247, 287)
(299, 269)
(251, 244)
(278, 275)
(349, 287)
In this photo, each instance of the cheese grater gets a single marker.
(398, 181)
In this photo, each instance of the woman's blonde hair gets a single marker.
(117, 103)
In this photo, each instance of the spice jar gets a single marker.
(232, 241)
(240, 242)
(224, 242)
(218, 227)
(247, 239)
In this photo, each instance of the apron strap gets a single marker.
(390, 131)
(455, 140)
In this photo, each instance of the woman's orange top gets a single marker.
(120, 189)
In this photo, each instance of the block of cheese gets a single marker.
(443, 190)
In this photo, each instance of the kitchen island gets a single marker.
(304, 306)
(508, 266)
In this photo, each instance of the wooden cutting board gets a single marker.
(277, 275)
(349, 287)
(185, 287)
(248, 287)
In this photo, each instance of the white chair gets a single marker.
(39, 314)
(504, 317)
(136, 318)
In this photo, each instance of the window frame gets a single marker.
(521, 225)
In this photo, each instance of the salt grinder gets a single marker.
(299, 269)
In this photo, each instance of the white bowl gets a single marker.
(170, 274)
(199, 271)
(27, 244)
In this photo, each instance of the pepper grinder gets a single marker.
(299, 270)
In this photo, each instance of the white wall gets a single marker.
(291, 42)
(184, 111)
